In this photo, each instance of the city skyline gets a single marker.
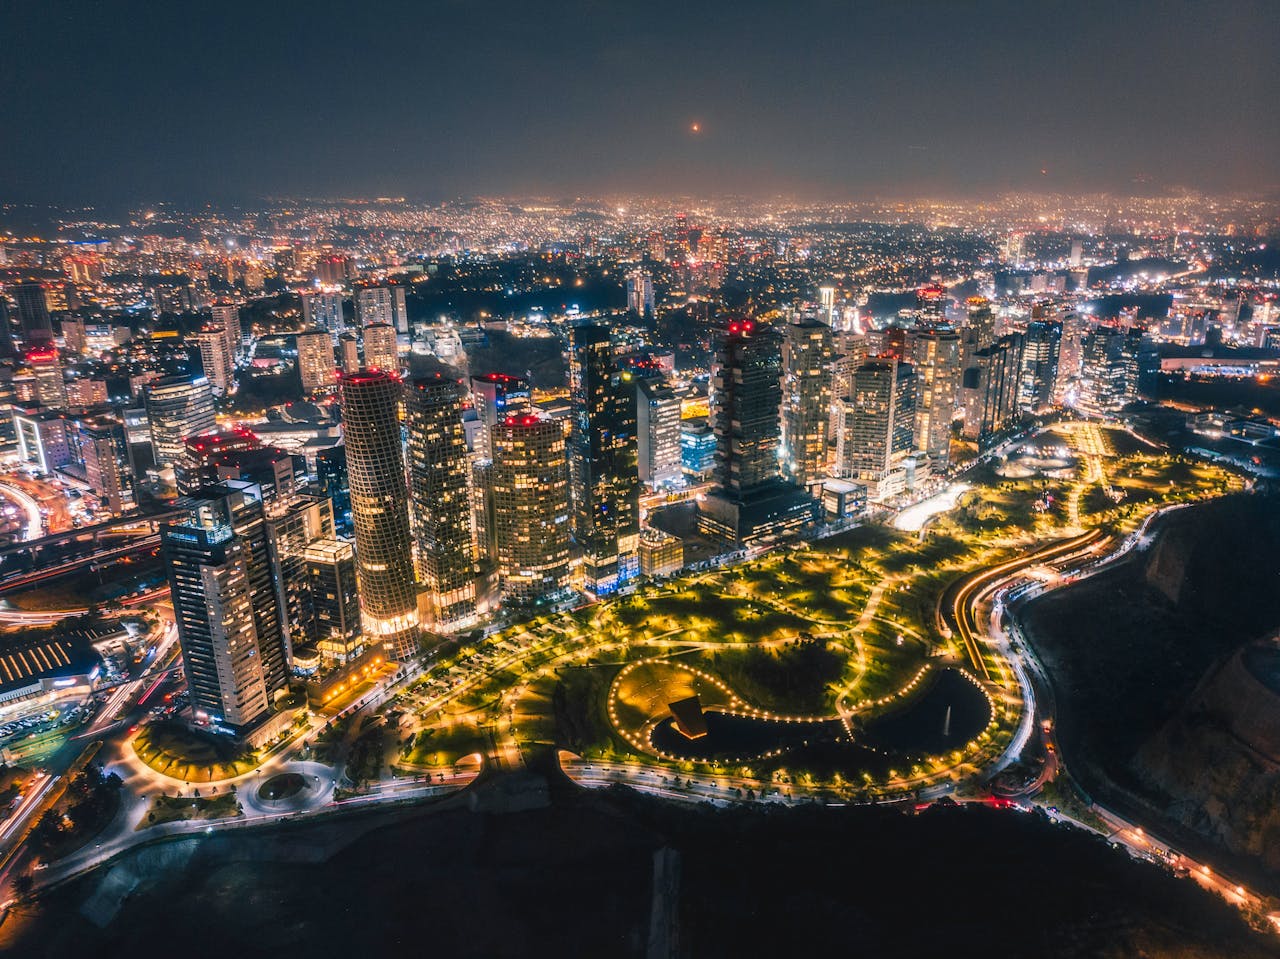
(640, 480)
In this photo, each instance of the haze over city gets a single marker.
(110, 102)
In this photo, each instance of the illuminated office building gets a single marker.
(605, 483)
(807, 355)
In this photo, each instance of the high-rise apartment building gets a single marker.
(380, 349)
(217, 361)
(348, 352)
(989, 390)
(877, 433)
(382, 304)
(529, 485)
(1041, 343)
(226, 314)
(177, 407)
(935, 356)
(440, 500)
(224, 587)
(51, 384)
(316, 369)
(380, 510)
(108, 467)
(807, 355)
(658, 433)
(602, 461)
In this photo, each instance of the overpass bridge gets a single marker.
(93, 533)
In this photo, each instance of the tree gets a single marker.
(23, 885)
(49, 828)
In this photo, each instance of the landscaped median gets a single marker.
(165, 809)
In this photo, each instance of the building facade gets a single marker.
(529, 485)
(380, 511)
(440, 488)
(603, 450)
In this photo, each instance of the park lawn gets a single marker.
(799, 678)
(647, 691)
(191, 809)
(190, 755)
(444, 745)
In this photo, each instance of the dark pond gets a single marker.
(921, 728)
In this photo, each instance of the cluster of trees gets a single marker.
(91, 799)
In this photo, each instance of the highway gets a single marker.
(22, 580)
(27, 503)
(1086, 555)
(958, 604)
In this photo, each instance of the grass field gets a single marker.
(187, 809)
(190, 755)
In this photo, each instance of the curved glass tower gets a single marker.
(380, 510)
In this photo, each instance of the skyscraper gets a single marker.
(108, 469)
(51, 385)
(380, 510)
(380, 349)
(330, 570)
(989, 390)
(1104, 371)
(877, 426)
(752, 502)
(640, 293)
(602, 461)
(324, 311)
(1041, 343)
(226, 314)
(33, 311)
(935, 357)
(981, 322)
(658, 432)
(807, 356)
(494, 395)
(224, 588)
(439, 478)
(382, 304)
(827, 305)
(931, 306)
(530, 490)
(294, 520)
(177, 407)
(217, 361)
(747, 384)
(315, 361)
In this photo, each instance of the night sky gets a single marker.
(115, 102)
